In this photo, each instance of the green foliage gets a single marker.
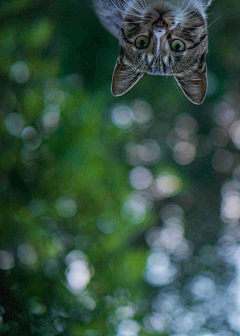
(79, 235)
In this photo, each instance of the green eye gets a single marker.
(178, 46)
(142, 42)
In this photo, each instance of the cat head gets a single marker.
(160, 38)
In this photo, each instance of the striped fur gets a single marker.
(162, 22)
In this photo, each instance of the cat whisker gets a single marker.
(124, 11)
(129, 12)
(144, 5)
(188, 10)
(179, 9)
(184, 25)
(214, 21)
(131, 6)
(117, 18)
(136, 7)
(134, 22)
(189, 15)
(112, 1)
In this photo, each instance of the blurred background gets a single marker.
(119, 216)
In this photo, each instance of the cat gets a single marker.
(158, 37)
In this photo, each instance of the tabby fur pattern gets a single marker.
(158, 37)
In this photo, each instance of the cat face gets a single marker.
(163, 39)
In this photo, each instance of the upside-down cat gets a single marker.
(158, 37)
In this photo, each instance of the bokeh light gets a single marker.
(140, 178)
(78, 273)
(14, 123)
(20, 72)
(119, 216)
(122, 116)
(6, 260)
(66, 207)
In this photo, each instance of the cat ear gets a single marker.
(124, 78)
(194, 86)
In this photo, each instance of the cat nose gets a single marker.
(159, 28)
(160, 23)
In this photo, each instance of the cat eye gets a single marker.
(178, 46)
(142, 42)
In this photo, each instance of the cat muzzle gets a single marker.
(160, 27)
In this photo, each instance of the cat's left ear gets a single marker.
(194, 86)
(124, 78)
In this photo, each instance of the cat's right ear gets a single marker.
(124, 78)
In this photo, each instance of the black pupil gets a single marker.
(143, 43)
(178, 47)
